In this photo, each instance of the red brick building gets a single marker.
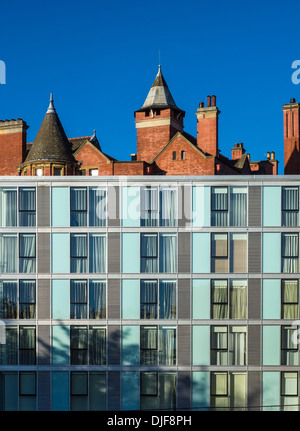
(162, 148)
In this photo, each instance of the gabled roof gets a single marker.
(159, 95)
(51, 142)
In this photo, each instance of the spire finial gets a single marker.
(51, 108)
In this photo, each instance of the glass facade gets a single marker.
(160, 296)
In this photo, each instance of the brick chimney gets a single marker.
(13, 144)
(207, 126)
(291, 138)
(237, 151)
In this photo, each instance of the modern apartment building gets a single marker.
(169, 282)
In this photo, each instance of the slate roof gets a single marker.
(51, 142)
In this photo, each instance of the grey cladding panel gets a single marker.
(184, 344)
(184, 252)
(114, 299)
(43, 344)
(184, 298)
(114, 389)
(43, 253)
(254, 345)
(43, 206)
(184, 205)
(114, 252)
(113, 205)
(254, 298)
(254, 206)
(44, 397)
(43, 287)
(184, 389)
(254, 390)
(114, 344)
(254, 252)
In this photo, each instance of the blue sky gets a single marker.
(100, 59)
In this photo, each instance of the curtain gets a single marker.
(289, 296)
(8, 298)
(167, 346)
(27, 207)
(27, 345)
(219, 345)
(167, 253)
(219, 206)
(78, 253)
(97, 253)
(8, 253)
(219, 253)
(97, 299)
(237, 346)
(27, 299)
(290, 252)
(238, 391)
(8, 207)
(290, 354)
(78, 309)
(167, 391)
(78, 206)
(219, 299)
(149, 206)
(27, 253)
(238, 206)
(149, 253)
(167, 299)
(238, 299)
(238, 253)
(148, 299)
(79, 343)
(9, 350)
(97, 346)
(149, 345)
(290, 206)
(220, 390)
(97, 206)
(168, 214)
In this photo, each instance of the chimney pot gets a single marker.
(293, 100)
(208, 101)
(213, 100)
(272, 155)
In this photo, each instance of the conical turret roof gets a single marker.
(159, 95)
(51, 142)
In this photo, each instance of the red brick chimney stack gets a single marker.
(13, 145)
(207, 126)
(291, 127)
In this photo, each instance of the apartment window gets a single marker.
(78, 196)
(79, 390)
(228, 345)
(228, 391)
(228, 206)
(289, 299)
(158, 299)
(27, 253)
(158, 206)
(225, 259)
(8, 207)
(88, 253)
(289, 391)
(27, 390)
(88, 299)
(27, 206)
(158, 345)
(88, 345)
(17, 299)
(290, 206)
(158, 253)
(289, 345)
(8, 253)
(289, 252)
(27, 342)
(229, 299)
(88, 206)
(158, 391)
(9, 350)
